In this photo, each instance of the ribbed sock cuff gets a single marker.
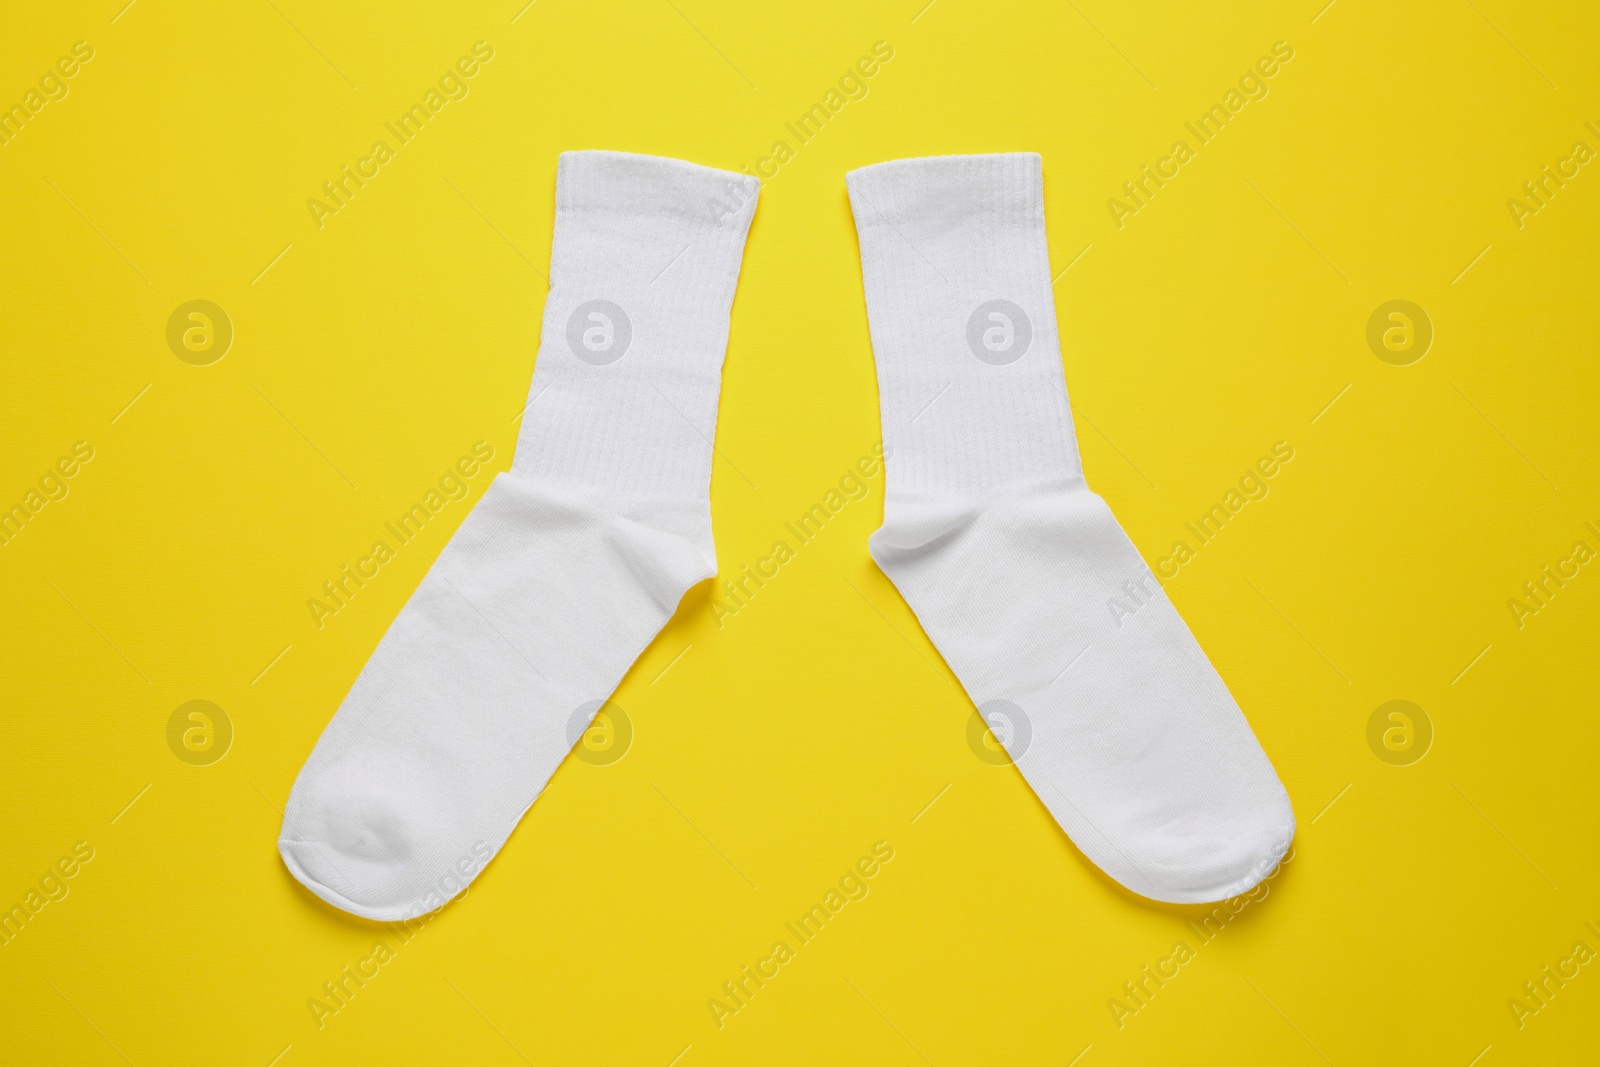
(643, 268)
(957, 278)
(1005, 190)
(627, 184)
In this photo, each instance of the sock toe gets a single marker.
(1202, 866)
(383, 854)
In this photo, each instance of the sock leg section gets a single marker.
(1120, 724)
(564, 571)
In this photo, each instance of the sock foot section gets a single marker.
(1121, 725)
(565, 570)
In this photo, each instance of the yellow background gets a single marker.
(772, 752)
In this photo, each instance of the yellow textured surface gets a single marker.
(373, 346)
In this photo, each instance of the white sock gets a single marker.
(1122, 727)
(565, 570)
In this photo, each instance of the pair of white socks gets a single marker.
(576, 557)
